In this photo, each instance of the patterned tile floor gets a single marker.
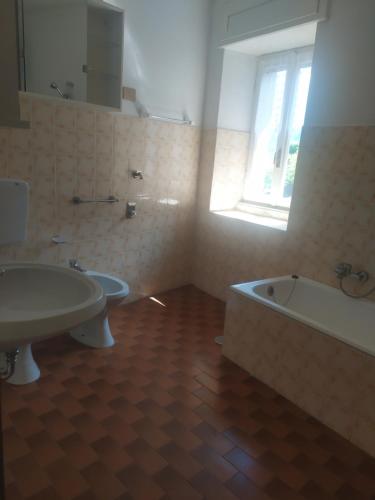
(163, 415)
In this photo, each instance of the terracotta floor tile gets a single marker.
(47, 494)
(140, 485)
(57, 425)
(276, 489)
(146, 457)
(216, 419)
(67, 404)
(244, 489)
(181, 435)
(34, 478)
(286, 472)
(183, 414)
(26, 423)
(102, 482)
(215, 401)
(66, 480)
(214, 439)
(210, 487)
(112, 453)
(175, 486)
(14, 446)
(313, 491)
(45, 448)
(96, 407)
(326, 479)
(259, 474)
(163, 415)
(246, 442)
(152, 434)
(215, 463)
(86, 425)
(78, 452)
(182, 394)
(155, 412)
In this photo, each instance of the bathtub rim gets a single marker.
(250, 294)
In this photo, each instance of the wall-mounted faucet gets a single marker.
(137, 174)
(74, 264)
(345, 270)
(54, 86)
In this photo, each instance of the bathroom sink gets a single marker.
(39, 301)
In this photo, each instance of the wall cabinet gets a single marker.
(249, 18)
(9, 66)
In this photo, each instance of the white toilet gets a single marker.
(96, 332)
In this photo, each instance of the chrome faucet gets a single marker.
(74, 264)
(344, 270)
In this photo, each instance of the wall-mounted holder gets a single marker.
(131, 210)
(111, 199)
(136, 174)
(57, 239)
(144, 113)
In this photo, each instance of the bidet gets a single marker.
(97, 332)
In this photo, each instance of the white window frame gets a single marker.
(292, 61)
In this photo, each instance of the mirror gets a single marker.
(72, 49)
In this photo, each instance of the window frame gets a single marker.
(292, 61)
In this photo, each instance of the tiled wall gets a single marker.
(231, 157)
(332, 216)
(74, 149)
(329, 379)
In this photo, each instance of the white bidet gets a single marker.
(96, 332)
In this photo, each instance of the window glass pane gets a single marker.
(268, 124)
(297, 119)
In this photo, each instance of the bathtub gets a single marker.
(320, 306)
(311, 344)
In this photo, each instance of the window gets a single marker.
(282, 88)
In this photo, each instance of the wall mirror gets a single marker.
(72, 49)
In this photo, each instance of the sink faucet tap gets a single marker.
(74, 264)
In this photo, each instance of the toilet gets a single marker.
(96, 332)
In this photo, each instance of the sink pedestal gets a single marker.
(94, 333)
(26, 370)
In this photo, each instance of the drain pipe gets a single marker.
(8, 364)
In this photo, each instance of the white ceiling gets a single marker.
(277, 41)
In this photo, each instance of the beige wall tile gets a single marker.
(74, 149)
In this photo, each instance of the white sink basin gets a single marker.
(39, 301)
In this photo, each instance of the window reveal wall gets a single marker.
(335, 186)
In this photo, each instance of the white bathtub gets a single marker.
(319, 306)
(315, 346)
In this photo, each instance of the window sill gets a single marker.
(260, 220)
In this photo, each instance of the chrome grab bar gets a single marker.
(111, 199)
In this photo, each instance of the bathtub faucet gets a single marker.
(344, 270)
